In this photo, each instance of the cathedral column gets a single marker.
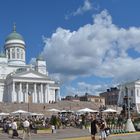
(47, 93)
(35, 93)
(8, 91)
(41, 93)
(13, 96)
(20, 93)
(26, 93)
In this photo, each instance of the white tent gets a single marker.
(4, 114)
(20, 112)
(66, 111)
(40, 114)
(109, 110)
(84, 110)
(53, 110)
(36, 114)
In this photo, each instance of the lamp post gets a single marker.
(29, 94)
(129, 124)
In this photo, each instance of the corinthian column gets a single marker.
(20, 96)
(35, 93)
(13, 96)
(47, 93)
(26, 93)
(41, 93)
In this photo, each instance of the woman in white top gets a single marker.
(14, 128)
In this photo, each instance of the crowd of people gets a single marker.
(13, 124)
(31, 124)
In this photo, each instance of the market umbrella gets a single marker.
(109, 110)
(36, 114)
(20, 112)
(53, 110)
(84, 110)
(4, 114)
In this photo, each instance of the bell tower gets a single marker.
(41, 65)
(15, 48)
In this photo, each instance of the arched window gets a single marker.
(9, 54)
(13, 53)
(18, 56)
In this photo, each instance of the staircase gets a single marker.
(42, 108)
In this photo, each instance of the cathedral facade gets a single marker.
(20, 82)
(129, 93)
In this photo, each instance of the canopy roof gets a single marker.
(87, 110)
(4, 114)
(109, 110)
(20, 112)
(53, 110)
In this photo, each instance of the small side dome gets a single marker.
(40, 58)
(14, 35)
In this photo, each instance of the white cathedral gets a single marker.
(19, 81)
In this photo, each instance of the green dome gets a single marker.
(14, 35)
(40, 58)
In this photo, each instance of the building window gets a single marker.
(9, 54)
(13, 53)
(18, 53)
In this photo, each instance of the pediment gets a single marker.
(30, 74)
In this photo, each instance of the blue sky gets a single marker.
(89, 45)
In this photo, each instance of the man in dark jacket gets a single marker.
(93, 127)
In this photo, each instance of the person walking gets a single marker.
(26, 129)
(102, 130)
(94, 128)
(14, 129)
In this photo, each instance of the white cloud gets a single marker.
(100, 49)
(87, 6)
(82, 88)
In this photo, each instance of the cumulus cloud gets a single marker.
(83, 88)
(87, 6)
(99, 49)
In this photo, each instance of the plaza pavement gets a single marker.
(73, 134)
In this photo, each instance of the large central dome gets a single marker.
(15, 48)
(14, 35)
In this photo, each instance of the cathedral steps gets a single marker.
(42, 108)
